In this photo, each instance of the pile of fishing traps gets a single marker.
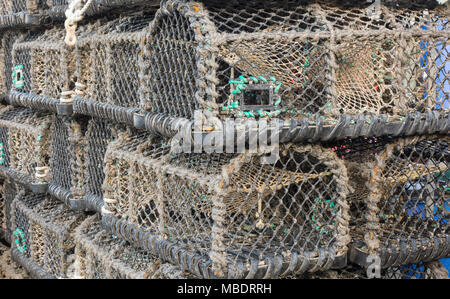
(236, 139)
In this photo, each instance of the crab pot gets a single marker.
(110, 61)
(421, 270)
(100, 255)
(20, 12)
(6, 42)
(404, 218)
(297, 59)
(130, 178)
(68, 158)
(25, 145)
(57, 8)
(43, 69)
(43, 231)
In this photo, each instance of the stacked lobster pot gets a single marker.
(237, 139)
(43, 232)
(100, 255)
(43, 69)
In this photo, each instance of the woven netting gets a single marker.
(430, 270)
(399, 203)
(43, 228)
(48, 65)
(25, 142)
(358, 154)
(109, 60)
(57, 8)
(99, 134)
(100, 255)
(68, 157)
(130, 180)
(298, 58)
(233, 208)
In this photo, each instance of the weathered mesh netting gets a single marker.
(68, 157)
(399, 206)
(110, 60)
(130, 183)
(10, 190)
(299, 59)
(430, 270)
(11, 7)
(44, 232)
(100, 255)
(251, 219)
(25, 143)
(48, 69)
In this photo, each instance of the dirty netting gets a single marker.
(298, 59)
(43, 230)
(43, 69)
(399, 203)
(100, 255)
(25, 144)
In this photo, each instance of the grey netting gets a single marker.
(251, 219)
(2, 210)
(109, 58)
(6, 42)
(99, 134)
(298, 59)
(102, 255)
(25, 137)
(44, 232)
(399, 204)
(68, 157)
